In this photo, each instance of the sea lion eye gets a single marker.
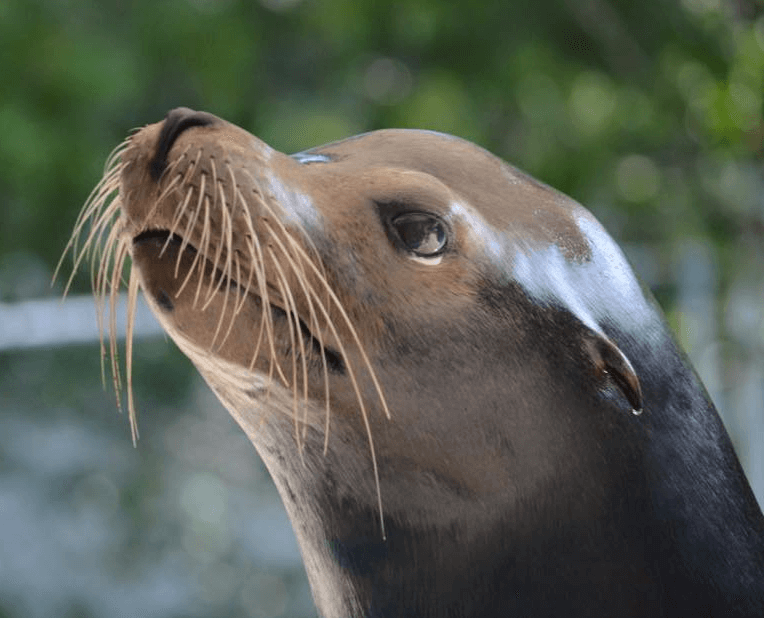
(421, 233)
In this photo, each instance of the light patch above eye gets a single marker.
(306, 158)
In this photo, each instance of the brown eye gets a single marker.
(421, 233)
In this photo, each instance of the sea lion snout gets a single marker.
(176, 121)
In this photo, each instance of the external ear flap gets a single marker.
(610, 361)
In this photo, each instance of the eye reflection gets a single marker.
(421, 233)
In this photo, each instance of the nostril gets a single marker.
(176, 121)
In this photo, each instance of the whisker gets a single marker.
(238, 302)
(175, 222)
(116, 278)
(284, 289)
(225, 229)
(264, 314)
(308, 291)
(222, 315)
(132, 297)
(212, 287)
(292, 317)
(170, 170)
(108, 183)
(237, 238)
(184, 244)
(175, 182)
(99, 199)
(203, 243)
(263, 293)
(186, 233)
(239, 205)
(353, 380)
(338, 305)
(100, 287)
(315, 328)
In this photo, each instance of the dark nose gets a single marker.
(176, 121)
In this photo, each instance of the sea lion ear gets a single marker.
(610, 361)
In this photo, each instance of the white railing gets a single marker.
(49, 322)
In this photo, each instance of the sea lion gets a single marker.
(468, 403)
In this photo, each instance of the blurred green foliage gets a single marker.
(650, 112)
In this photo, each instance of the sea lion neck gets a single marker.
(472, 515)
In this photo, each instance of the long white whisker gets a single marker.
(132, 297)
(356, 388)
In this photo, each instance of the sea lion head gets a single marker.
(405, 326)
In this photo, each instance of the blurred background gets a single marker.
(649, 113)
